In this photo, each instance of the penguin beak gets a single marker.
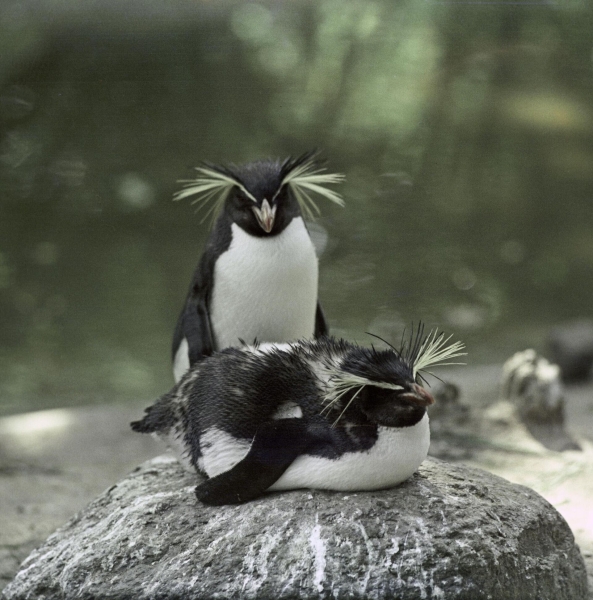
(417, 395)
(265, 215)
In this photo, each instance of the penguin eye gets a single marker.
(243, 201)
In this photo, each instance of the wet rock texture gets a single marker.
(448, 532)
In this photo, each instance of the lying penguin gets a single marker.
(324, 414)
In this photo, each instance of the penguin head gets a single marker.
(391, 395)
(260, 203)
(262, 197)
(387, 385)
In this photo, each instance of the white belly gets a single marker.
(265, 288)
(395, 457)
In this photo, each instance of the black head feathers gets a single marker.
(261, 183)
(393, 370)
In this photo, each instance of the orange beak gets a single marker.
(418, 396)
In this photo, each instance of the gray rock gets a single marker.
(449, 532)
(450, 419)
(533, 385)
(571, 348)
(53, 463)
(448, 406)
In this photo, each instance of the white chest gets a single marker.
(265, 288)
(395, 457)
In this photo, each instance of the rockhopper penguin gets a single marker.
(322, 413)
(257, 277)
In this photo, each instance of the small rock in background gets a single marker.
(448, 406)
(449, 420)
(533, 386)
(571, 348)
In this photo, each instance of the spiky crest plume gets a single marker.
(434, 351)
(303, 175)
(418, 353)
(212, 187)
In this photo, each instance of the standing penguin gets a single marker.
(257, 278)
(321, 413)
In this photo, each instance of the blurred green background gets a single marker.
(465, 130)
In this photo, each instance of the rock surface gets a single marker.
(448, 532)
(53, 463)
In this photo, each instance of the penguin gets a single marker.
(324, 413)
(257, 278)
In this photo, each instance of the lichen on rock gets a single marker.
(448, 532)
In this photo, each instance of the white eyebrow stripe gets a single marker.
(247, 192)
(211, 189)
(277, 192)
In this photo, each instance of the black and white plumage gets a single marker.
(257, 278)
(322, 414)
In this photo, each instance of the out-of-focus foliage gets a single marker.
(465, 131)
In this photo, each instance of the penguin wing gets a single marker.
(275, 446)
(321, 326)
(193, 324)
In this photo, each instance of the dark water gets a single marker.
(465, 131)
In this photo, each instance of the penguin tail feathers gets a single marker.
(142, 426)
(159, 417)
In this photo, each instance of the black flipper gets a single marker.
(321, 326)
(194, 325)
(194, 322)
(275, 446)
